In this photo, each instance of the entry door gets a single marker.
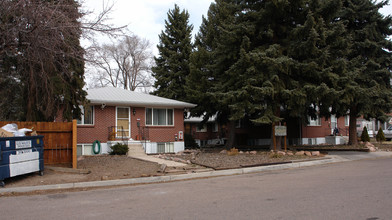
(123, 118)
(334, 123)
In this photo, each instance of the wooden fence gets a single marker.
(60, 139)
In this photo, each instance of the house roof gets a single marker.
(199, 119)
(115, 96)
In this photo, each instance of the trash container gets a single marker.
(21, 155)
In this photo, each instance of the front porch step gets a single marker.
(135, 149)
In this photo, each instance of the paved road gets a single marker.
(347, 190)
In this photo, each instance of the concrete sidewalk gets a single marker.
(333, 157)
(169, 163)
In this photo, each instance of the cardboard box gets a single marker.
(4, 133)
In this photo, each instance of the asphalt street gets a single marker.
(347, 190)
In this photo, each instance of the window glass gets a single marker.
(148, 116)
(87, 117)
(122, 112)
(347, 120)
(170, 117)
(158, 116)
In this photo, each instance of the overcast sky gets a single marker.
(146, 17)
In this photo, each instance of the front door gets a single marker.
(334, 123)
(123, 122)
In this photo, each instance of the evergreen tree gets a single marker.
(365, 135)
(44, 65)
(266, 59)
(172, 64)
(366, 86)
(380, 137)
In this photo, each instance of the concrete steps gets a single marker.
(135, 149)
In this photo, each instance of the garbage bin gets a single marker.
(21, 155)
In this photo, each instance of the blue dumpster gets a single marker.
(21, 155)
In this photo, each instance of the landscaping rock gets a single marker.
(290, 153)
(281, 153)
(299, 153)
(315, 153)
(253, 152)
(223, 152)
(372, 149)
(307, 153)
(241, 152)
(104, 178)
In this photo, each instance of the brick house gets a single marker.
(318, 131)
(117, 115)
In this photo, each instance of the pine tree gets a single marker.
(365, 87)
(266, 59)
(172, 64)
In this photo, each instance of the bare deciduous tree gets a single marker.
(125, 63)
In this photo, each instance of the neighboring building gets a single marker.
(318, 131)
(121, 115)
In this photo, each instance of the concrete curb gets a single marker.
(161, 179)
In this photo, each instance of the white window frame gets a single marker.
(81, 121)
(347, 120)
(314, 122)
(167, 118)
(129, 120)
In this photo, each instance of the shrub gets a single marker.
(380, 137)
(119, 149)
(189, 142)
(365, 136)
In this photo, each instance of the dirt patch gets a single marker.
(224, 161)
(102, 167)
(106, 167)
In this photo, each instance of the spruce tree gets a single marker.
(266, 59)
(366, 86)
(172, 63)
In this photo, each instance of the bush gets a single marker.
(365, 136)
(189, 142)
(119, 149)
(380, 137)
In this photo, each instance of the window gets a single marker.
(158, 116)
(165, 147)
(84, 149)
(87, 117)
(215, 127)
(347, 120)
(201, 129)
(314, 122)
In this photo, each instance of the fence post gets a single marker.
(74, 144)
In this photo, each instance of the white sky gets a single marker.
(146, 17)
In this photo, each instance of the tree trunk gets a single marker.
(231, 136)
(353, 139)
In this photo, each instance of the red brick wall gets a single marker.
(103, 119)
(107, 117)
(324, 129)
(166, 133)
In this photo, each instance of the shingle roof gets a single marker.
(116, 96)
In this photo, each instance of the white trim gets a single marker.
(129, 120)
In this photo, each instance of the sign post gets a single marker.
(281, 131)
